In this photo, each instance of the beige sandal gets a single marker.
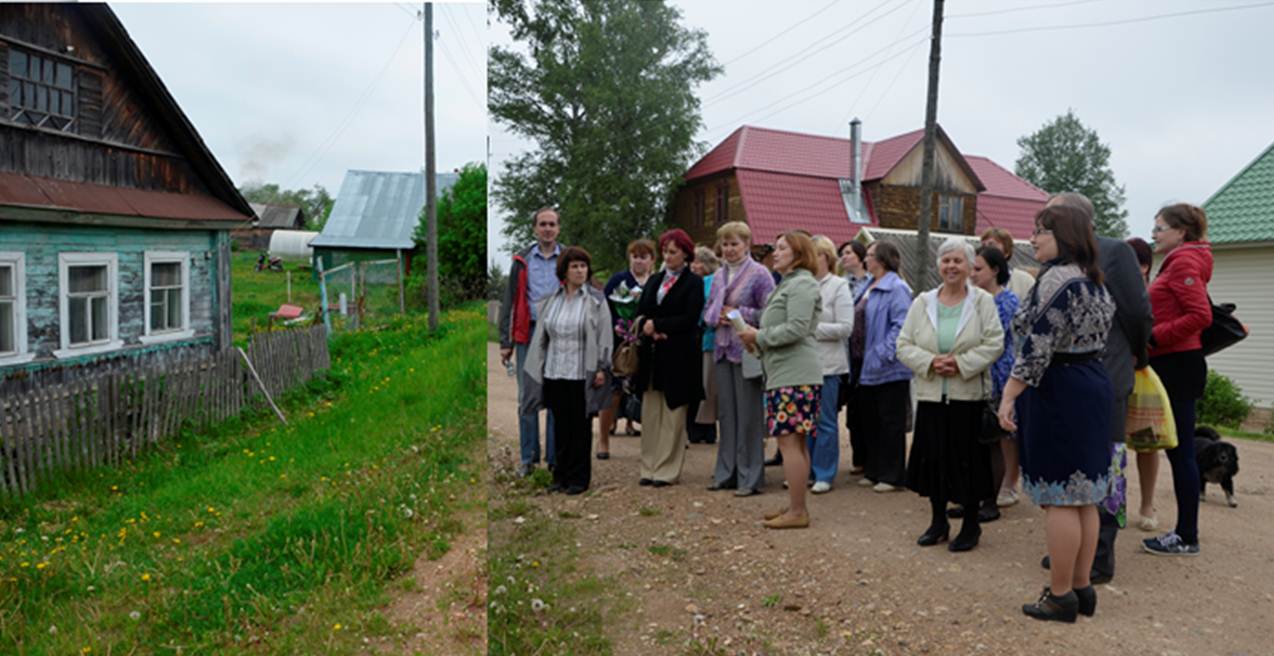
(788, 521)
(775, 513)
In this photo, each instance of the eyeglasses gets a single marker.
(1041, 231)
(1159, 228)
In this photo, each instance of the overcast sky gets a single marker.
(298, 93)
(1183, 102)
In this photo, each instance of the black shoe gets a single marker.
(556, 487)
(660, 483)
(645, 481)
(1054, 608)
(988, 513)
(955, 512)
(933, 535)
(1087, 600)
(966, 540)
(775, 461)
(727, 485)
(603, 455)
(575, 489)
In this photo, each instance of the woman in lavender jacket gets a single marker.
(884, 393)
(740, 284)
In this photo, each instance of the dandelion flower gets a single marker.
(135, 615)
(146, 576)
(337, 626)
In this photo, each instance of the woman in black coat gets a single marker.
(670, 374)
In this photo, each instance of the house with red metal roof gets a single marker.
(115, 217)
(776, 180)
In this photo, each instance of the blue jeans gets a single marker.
(529, 425)
(825, 448)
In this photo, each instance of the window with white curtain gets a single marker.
(167, 282)
(89, 303)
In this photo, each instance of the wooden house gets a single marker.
(1241, 229)
(115, 218)
(266, 219)
(777, 180)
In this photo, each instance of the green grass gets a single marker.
(255, 535)
(541, 601)
(258, 293)
(1267, 436)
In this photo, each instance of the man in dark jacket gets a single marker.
(1125, 352)
(532, 277)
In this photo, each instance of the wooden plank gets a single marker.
(39, 450)
(8, 475)
(25, 475)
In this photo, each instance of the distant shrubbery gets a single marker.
(1223, 403)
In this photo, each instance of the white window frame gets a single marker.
(185, 331)
(113, 342)
(22, 349)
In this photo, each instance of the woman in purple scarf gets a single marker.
(741, 284)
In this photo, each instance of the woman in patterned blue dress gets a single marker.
(1058, 399)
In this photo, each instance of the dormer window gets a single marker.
(41, 90)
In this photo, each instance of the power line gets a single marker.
(464, 42)
(800, 56)
(996, 12)
(892, 82)
(915, 7)
(1125, 21)
(833, 85)
(789, 29)
(464, 82)
(327, 143)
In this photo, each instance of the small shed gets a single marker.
(115, 218)
(266, 219)
(1241, 229)
(374, 217)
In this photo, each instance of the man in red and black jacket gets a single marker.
(532, 276)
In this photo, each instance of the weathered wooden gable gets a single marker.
(118, 135)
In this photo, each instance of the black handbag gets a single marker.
(1225, 331)
(990, 432)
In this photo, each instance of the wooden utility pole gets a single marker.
(431, 176)
(920, 271)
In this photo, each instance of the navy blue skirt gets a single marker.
(1064, 435)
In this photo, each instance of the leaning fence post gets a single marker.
(266, 392)
(327, 321)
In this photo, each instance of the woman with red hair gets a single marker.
(669, 375)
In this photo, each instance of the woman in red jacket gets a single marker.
(1179, 302)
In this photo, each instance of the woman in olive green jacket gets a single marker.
(793, 373)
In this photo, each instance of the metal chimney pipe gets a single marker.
(856, 169)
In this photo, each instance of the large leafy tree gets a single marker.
(1064, 155)
(462, 235)
(316, 203)
(605, 88)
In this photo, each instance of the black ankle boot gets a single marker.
(1053, 608)
(1087, 598)
(934, 534)
(970, 531)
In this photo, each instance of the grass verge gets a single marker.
(541, 601)
(282, 539)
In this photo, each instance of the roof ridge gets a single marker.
(1012, 173)
(1242, 171)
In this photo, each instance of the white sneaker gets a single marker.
(865, 482)
(1148, 524)
(884, 487)
(1006, 498)
(820, 487)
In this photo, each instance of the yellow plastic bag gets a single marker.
(1150, 425)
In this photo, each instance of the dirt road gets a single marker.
(706, 577)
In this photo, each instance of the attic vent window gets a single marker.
(41, 90)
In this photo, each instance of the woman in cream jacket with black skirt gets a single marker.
(951, 337)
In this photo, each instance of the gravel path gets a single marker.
(706, 577)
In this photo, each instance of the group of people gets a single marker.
(1003, 378)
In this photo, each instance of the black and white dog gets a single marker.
(1218, 463)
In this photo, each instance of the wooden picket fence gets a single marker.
(103, 418)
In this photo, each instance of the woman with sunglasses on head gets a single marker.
(1181, 308)
(1058, 399)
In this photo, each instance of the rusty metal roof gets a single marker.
(85, 198)
(377, 209)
